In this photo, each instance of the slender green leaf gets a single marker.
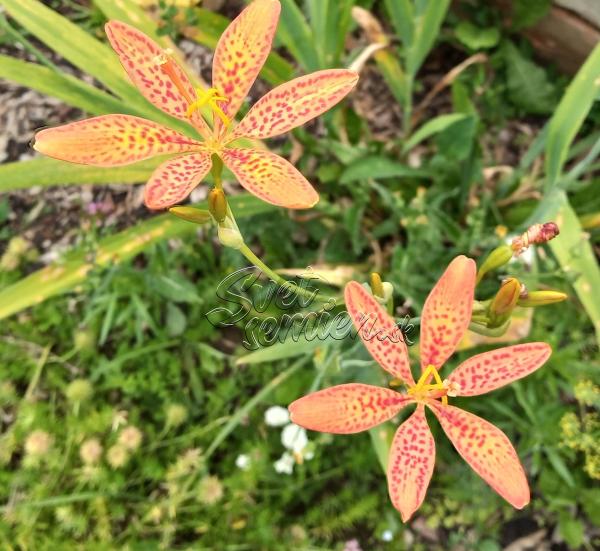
(570, 114)
(378, 167)
(393, 74)
(573, 251)
(296, 36)
(427, 23)
(65, 87)
(64, 275)
(50, 172)
(402, 14)
(434, 126)
(72, 43)
(242, 412)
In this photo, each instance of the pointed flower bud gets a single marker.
(217, 204)
(376, 285)
(496, 259)
(505, 300)
(191, 214)
(229, 234)
(536, 234)
(541, 298)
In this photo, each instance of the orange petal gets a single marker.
(488, 451)
(141, 58)
(496, 368)
(242, 51)
(346, 409)
(270, 178)
(111, 140)
(410, 465)
(447, 312)
(175, 179)
(378, 331)
(295, 103)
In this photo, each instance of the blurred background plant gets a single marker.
(129, 420)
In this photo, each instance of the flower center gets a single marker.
(210, 97)
(423, 391)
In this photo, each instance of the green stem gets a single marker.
(408, 107)
(245, 250)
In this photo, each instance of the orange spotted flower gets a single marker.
(115, 140)
(351, 408)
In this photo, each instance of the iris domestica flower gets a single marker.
(116, 140)
(350, 408)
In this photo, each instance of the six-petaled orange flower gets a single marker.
(351, 408)
(115, 140)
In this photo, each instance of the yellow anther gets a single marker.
(209, 97)
(422, 385)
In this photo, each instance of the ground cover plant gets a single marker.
(350, 185)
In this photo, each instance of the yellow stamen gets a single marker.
(169, 68)
(209, 97)
(423, 386)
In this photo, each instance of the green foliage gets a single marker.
(125, 411)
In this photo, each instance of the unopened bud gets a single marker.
(90, 451)
(536, 234)
(541, 298)
(376, 285)
(117, 456)
(191, 214)
(130, 438)
(229, 235)
(38, 443)
(496, 259)
(590, 221)
(505, 300)
(217, 204)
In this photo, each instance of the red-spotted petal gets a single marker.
(270, 177)
(410, 465)
(111, 140)
(488, 451)
(378, 331)
(447, 312)
(496, 368)
(242, 50)
(346, 409)
(295, 103)
(158, 77)
(175, 179)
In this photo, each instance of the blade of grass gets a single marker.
(295, 34)
(63, 86)
(50, 172)
(570, 114)
(238, 416)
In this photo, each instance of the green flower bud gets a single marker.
(79, 390)
(191, 214)
(541, 298)
(496, 259)
(217, 204)
(229, 234)
(505, 301)
(376, 285)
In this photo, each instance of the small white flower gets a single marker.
(285, 464)
(277, 416)
(387, 535)
(243, 462)
(294, 438)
